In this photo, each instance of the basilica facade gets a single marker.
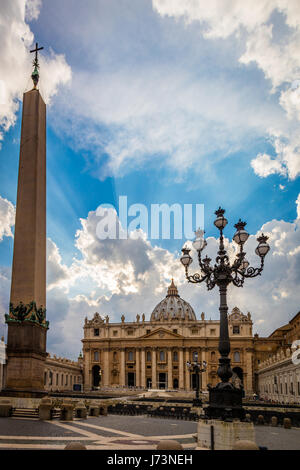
(154, 353)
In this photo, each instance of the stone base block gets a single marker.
(94, 411)
(5, 408)
(67, 413)
(222, 435)
(45, 412)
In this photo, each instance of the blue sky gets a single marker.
(164, 102)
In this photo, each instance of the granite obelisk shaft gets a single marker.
(27, 329)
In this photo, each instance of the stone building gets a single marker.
(278, 376)
(62, 374)
(153, 354)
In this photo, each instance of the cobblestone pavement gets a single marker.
(121, 432)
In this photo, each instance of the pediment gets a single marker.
(161, 333)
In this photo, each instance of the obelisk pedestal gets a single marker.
(27, 325)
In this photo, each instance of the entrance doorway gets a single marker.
(162, 382)
(131, 379)
(96, 373)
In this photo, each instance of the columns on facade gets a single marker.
(137, 368)
(87, 367)
(204, 374)
(249, 368)
(154, 374)
(143, 368)
(187, 372)
(122, 368)
(106, 369)
(181, 369)
(170, 369)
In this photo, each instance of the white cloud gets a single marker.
(274, 50)
(264, 165)
(32, 9)
(15, 62)
(7, 218)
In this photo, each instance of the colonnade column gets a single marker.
(248, 384)
(106, 368)
(143, 368)
(187, 372)
(87, 375)
(170, 369)
(181, 369)
(154, 384)
(122, 368)
(137, 368)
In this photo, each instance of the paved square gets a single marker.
(121, 432)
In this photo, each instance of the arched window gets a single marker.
(50, 378)
(175, 356)
(96, 356)
(236, 357)
(148, 356)
(161, 355)
(45, 378)
(130, 356)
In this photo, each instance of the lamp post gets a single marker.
(225, 400)
(197, 368)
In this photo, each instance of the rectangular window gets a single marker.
(195, 331)
(148, 331)
(115, 333)
(96, 332)
(130, 332)
(236, 330)
(212, 332)
(175, 331)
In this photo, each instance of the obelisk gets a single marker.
(27, 325)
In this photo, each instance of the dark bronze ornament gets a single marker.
(29, 313)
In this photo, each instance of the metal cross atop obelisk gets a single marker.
(35, 74)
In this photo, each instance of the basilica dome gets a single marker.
(173, 307)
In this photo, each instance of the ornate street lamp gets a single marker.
(197, 368)
(225, 400)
